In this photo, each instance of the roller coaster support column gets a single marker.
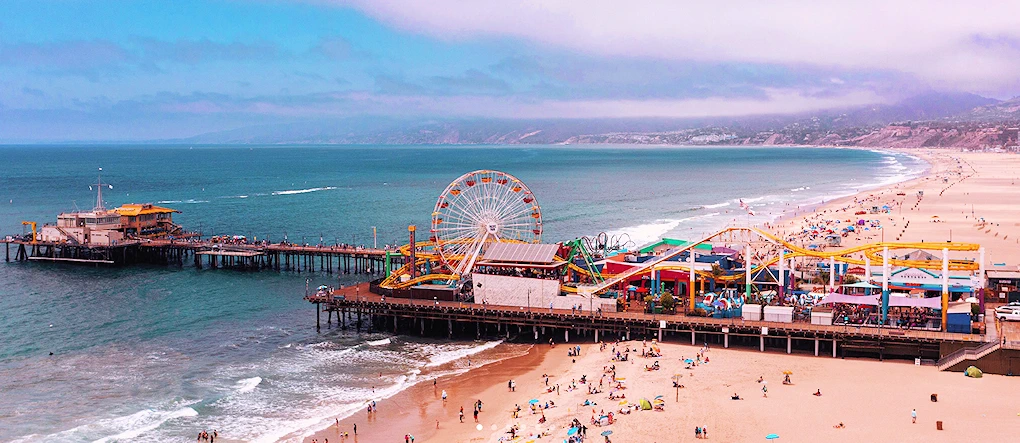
(832, 274)
(388, 264)
(690, 284)
(414, 263)
(981, 278)
(747, 271)
(945, 286)
(782, 273)
(867, 269)
(885, 284)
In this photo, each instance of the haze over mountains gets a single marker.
(938, 118)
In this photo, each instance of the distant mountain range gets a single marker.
(931, 120)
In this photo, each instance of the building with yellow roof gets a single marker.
(147, 220)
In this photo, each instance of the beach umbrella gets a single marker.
(688, 361)
(658, 397)
(645, 404)
(571, 431)
(607, 433)
(532, 401)
(772, 436)
(788, 372)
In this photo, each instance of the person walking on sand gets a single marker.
(765, 391)
(355, 429)
(444, 395)
(462, 414)
(913, 415)
(704, 432)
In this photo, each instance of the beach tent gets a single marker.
(973, 372)
(647, 405)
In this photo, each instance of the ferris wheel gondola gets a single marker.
(479, 208)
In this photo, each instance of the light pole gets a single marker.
(375, 239)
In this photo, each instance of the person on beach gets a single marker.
(444, 396)
(476, 415)
(704, 432)
(765, 391)
(697, 432)
(913, 415)
(462, 414)
(355, 428)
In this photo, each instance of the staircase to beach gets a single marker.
(70, 237)
(973, 354)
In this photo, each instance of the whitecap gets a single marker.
(303, 191)
(248, 384)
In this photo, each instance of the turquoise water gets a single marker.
(152, 354)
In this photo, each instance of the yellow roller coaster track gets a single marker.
(872, 251)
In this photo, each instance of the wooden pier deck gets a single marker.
(204, 253)
(417, 316)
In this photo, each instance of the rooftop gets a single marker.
(521, 253)
(134, 209)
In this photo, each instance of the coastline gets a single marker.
(416, 409)
(395, 417)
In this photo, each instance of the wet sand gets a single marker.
(416, 410)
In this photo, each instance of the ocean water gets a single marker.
(156, 354)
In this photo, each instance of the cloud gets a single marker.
(92, 58)
(38, 93)
(348, 103)
(70, 55)
(337, 48)
(472, 81)
(193, 52)
(937, 41)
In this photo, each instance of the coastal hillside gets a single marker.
(928, 120)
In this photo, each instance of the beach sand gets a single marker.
(873, 399)
(960, 189)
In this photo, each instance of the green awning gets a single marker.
(674, 243)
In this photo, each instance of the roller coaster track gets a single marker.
(869, 250)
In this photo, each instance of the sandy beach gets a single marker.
(872, 399)
(966, 198)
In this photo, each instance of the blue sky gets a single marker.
(114, 70)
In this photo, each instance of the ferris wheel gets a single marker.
(479, 208)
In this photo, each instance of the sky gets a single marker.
(120, 71)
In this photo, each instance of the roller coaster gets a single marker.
(483, 207)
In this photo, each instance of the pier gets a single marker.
(356, 306)
(207, 254)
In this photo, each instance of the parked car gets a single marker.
(1011, 313)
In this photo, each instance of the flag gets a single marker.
(745, 207)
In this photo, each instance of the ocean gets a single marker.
(151, 353)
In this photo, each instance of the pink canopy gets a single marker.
(851, 299)
(912, 302)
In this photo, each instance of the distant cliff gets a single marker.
(963, 120)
